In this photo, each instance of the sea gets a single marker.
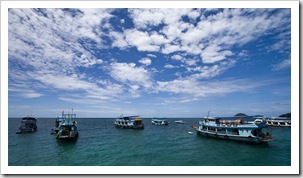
(100, 143)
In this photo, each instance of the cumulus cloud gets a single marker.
(169, 66)
(210, 36)
(54, 48)
(144, 18)
(145, 61)
(129, 74)
(214, 53)
(141, 40)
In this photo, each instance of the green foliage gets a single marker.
(286, 115)
(240, 114)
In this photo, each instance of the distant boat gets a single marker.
(180, 122)
(279, 122)
(253, 132)
(159, 122)
(68, 127)
(129, 122)
(28, 125)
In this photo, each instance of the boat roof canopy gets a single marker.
(29, 118)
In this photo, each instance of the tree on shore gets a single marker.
(288, 115)
(240, 114)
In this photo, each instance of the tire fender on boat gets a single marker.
(225, 136)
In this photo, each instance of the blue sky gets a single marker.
(151, 62)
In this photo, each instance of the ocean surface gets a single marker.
(100, 143)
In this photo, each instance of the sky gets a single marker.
(152, 62)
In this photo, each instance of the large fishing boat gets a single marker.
(28, 125)
(129, 122)
(279, 122)
(156, 121)
(68, 127)
(255, 131)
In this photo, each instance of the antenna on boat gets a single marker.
(208, 114)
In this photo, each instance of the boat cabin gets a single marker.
(28, 124)
(132, 122)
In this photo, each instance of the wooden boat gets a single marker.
(253, 132)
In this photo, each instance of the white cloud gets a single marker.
(282, 65)
(191, 62)
(193, 88)
(194, 14)
(210, 36)
(31, 94)
(118, 40)
(168, 48)
(24, 90)
(141, 40)
(177, 57)
(129, 74)
(151, 55)
(52, 39)
(52, 44)
(214, 53)
(143, 17)
(243, 53)
(169, 66)
(145, 61)
(46, 47)
(202, 72)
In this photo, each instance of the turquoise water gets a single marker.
(102, 144)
